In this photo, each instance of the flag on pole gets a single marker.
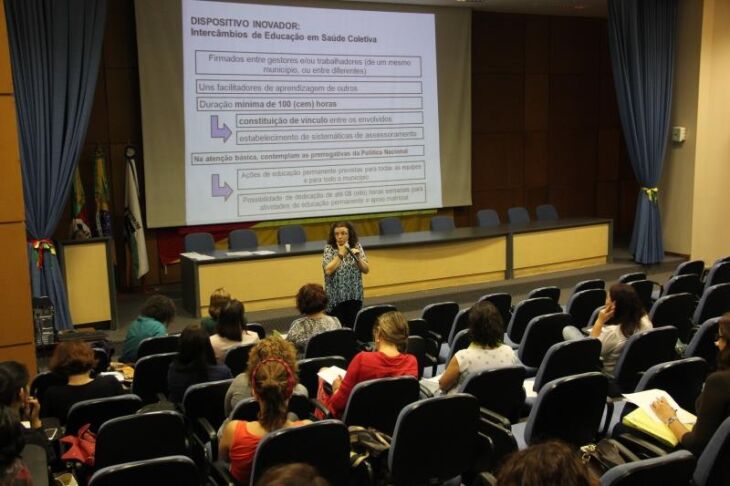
(133, 216)
(79, 225)
(101, 195)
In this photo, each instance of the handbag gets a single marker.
(82, 446)
(368, 452)
(604, 455)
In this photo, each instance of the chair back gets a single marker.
(309, 367)
(696, 267)
(416, 458)
(643, 289)
(581, 305)
(199, 242)
(488, 218)
(499, 430)
(678, 284)
(418, 327)
(713, 468)
(568, 358)
(150, 376)
(205, 401)
(715, 302)
(503, 302)
(594, 283)
(551, 292)
(674, 310)
(546, 212)
(158, 345)
(390, 226)
(719, 274)
(642, 351)
(42, 382)
(682, 379)
(177, 470)
(674, 468)
(518, 215)
(524, 312)
(442, 223)
(541, 333)
(102, 360)
(377, 403)
(499, 390)
(120, 439)
(702, 344)
(98, 410)
(569, 409)
(462, 340)
(337, 342)
(439, 317)
(291, 234)
(366, 318)
(631, 277)
(419, 347)
(461, 322)
(242, 239)
(237, 358)
(324, 444)
(257, 328)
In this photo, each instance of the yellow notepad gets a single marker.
(642, 421)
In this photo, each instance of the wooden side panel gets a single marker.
(87, 282)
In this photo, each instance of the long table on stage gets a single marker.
(403, 263)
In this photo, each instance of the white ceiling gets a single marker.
(575, 8)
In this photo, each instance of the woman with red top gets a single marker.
(272, 381)
(391, 338)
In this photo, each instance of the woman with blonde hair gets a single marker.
(218, 300)
(389, 359)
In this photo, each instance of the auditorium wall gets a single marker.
(16, 336)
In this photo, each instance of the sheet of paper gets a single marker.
(644, 399)
(330, 374)
(239, 253)
(529, 386)
(197, 256)
(264, 252)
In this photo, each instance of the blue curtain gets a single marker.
(641, 41)
(55, 48)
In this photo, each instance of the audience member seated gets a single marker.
(231, 330)
(15, 394)
(311, 301)
(12, 470)
(218, 300)
(75, 360)
(194, 363)
(713, 404)
(294, 474)
(551, 463)
(273, 382)
(486, 351)
(153, 320)
(390, 334)
(621, 317)
(271, 347)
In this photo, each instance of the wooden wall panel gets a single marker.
(11, 185)
(6, 77)
(16, 325)
(499, 99)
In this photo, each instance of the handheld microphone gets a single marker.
(347, 247)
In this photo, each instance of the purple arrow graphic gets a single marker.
(217, 190)
(217, 131)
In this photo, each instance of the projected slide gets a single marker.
(296, 112)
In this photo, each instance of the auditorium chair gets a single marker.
(702, 344)
(435, 439)
(594, 283)
(442, 223)
(390, 226)
(551, 292)
(712, 465)
(102, 360)
(42, 382)
(461, 322)
(718, 274)
(715, 302)
(644, 290)
(203, 405)
(569, 409)
(509, 399)
(98, 410)
(631, 277)
(257, 328)
(236, 358)
(546, 212)
(377, 403)
(177, 470)
(365, 321)
(696, 267)
(524, 312)
(582, 304)
(158, 345)
(518, 215)
(242, 239)
(439, 317)
(337, 342)
(291, 234)
(499, 430)
(683, 379)
(675, 468)
(689, 283)
(130, 438)
(309, 367)
(503, 302)
(150, 377)
(424, 350)
(199, 242)
(541, 333)
(674, 310)
(418, 327)
(488, 218)
(643, 350)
